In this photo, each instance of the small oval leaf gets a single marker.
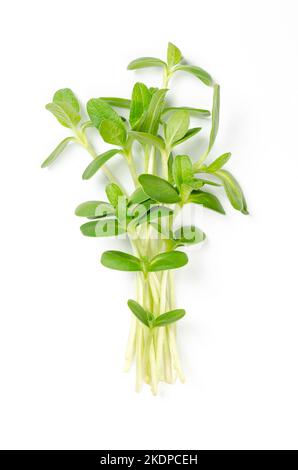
(120, 261)
(145, 317)
(168, 260)
(102, 228)
(207, 200)
(143, 62)
(159, 189)
(168, 317)
(94, 209)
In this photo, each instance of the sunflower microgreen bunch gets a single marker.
(148, 133)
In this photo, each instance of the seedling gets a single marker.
(151, 131)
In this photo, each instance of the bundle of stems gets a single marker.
(148, 135)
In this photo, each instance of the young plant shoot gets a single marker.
(150, 137)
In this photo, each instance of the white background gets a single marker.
(64, 320)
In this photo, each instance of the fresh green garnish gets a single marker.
(145, 131)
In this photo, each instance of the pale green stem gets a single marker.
(131, 165)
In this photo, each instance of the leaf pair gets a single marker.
(174, 58)
(121, 261)
(107, 121)
(148, 319)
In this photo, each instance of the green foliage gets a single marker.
(102, 228)
(65, 107)
(208, 200)
(182, 170)
(174, 55)
(169, 317)
(159, 189)
(143, 315)
(98, 162)
(188, 135)
(121, 261)
(99, 110)
(113, 132)
(219, 162)
(147, 134)
(152, 120)
(144, 62)
(114, 192)
(167, 260)
(233, 190)
(140, 101)
(147, 139)
(94, 209)
(176, 126)
(215, 116)
(197, 72)
(202, 113)
(58, 150)
(148, 319)
(117, 102)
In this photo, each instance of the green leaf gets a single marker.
(147, 139)
(174, 55)
(61, 115)
(188, 234)
(112, 132)
(117, 102)
(188, 135)
(94, 209)
(98, 110)
(197, 72)
(154, 213)
(207, 200)
(120, 261)
(182, 169)
(219, 162)
(151, 123)
(159, 189)
(233, 190)
(197, 183)
(113, 193)
(176, 126)
(143, 315)
(66, 97)
(143, 62)
(168, 317)
(168, 260)
(65, 107)
(97, 163)
(102, 228)
(215, 116)
(198, 112)
(140, 100)
(138, 196)
(58, 150)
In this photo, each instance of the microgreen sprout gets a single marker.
(169, 180)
